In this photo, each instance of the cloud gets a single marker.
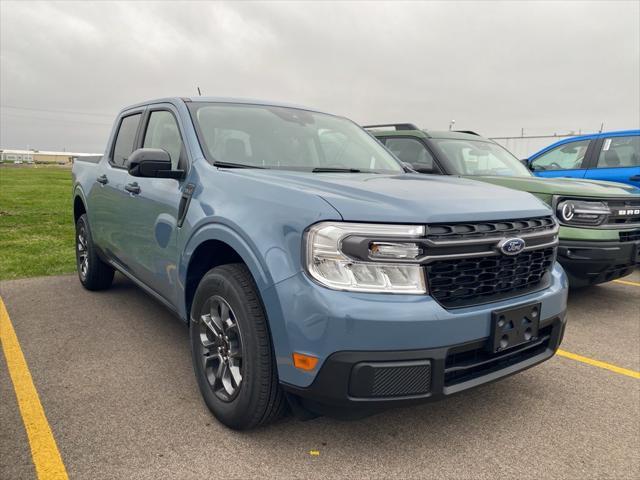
(495, 67)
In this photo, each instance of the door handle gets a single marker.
(132, 188)
(635, 178)
(102, 179)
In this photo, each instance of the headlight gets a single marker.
(582, 212)
(330, 266)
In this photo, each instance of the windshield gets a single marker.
(474, 157)
(263, 136)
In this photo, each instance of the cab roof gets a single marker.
(245, 101)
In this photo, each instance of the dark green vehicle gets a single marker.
(600, 221)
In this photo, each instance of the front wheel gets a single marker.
(231, 350)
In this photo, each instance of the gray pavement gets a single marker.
(115, 380)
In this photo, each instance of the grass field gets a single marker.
(36, 223)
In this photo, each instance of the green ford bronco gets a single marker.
(600, 221)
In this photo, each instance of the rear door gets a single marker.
(108, 199)
(567, 160)
(617, 159)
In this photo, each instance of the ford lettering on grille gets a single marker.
(511, 246)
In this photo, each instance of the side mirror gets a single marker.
(153, 163)
(525, 162)
(408, 167)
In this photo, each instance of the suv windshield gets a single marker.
(263, 136)
(475, 157)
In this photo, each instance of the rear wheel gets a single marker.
(231, 350)
(94, 274)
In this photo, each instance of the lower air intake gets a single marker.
(390, 379)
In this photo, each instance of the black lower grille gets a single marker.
(471, 281)
(631, 236)
(392, 379)
(469, 364)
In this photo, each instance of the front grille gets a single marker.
(631, 236)
(623, 212)
(462, 366)
(457, 231)
(390, 379)
(470, 281)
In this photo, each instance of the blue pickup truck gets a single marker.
(611, 156)
(314, 270)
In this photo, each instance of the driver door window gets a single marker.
(162, 132)
(413, 152)
(569, 156)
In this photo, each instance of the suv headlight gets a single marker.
(582, 212)
(330, 266)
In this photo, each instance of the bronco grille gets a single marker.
(467, 281)
(623, 212)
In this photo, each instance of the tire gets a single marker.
(93, 273)
(233, 360)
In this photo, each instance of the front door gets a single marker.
(567, 160)
(152, 212)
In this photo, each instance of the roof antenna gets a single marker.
(199, 94)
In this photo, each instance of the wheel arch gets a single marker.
(211, 246)
(79, 204)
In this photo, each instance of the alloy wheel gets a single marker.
(83, 254)
(221, 346)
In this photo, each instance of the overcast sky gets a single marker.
(495, 67)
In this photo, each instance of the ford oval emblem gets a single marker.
(511, 246)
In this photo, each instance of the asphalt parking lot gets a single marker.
(114, 378)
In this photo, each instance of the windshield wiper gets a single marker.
(335, 169)
(235, 165)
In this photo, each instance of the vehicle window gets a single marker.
(411, 151)
(162, 132)
(287, 138)
(569, 156)
(620, 152)
(474, 157)
(125, 138)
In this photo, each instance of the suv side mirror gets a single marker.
(151, 162)
(416, 167)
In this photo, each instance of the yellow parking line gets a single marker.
(44, 450)
(627, 282)
(599, 364)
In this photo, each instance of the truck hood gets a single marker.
(407, 198)
(563, 186)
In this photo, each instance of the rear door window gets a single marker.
(125, 139)
(619, 152)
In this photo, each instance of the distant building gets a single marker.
(37, 156)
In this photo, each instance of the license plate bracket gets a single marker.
(511, 327)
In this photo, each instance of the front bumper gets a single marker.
(307, 318)
(368, 381)
(590, 263)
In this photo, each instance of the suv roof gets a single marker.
(409, 129)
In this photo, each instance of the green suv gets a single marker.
(599, 221)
